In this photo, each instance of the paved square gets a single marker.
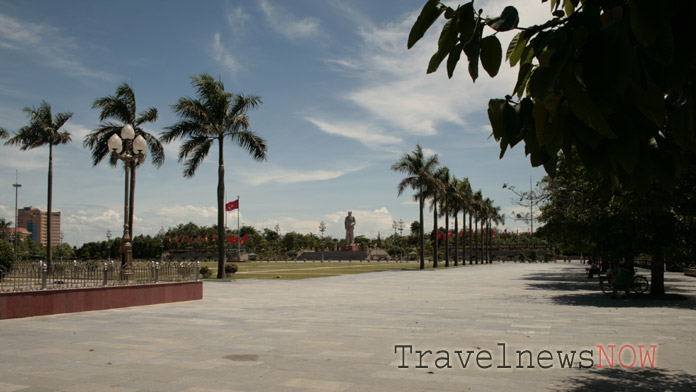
(342, 333)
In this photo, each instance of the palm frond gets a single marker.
(196, 156)
(150, 115)
(250, 142)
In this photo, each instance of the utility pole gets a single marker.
(16, 186)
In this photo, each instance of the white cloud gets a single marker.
(223, 56)
(237, 19)
(47, 42)
(370, 136)
(287, 24)
(289, 176)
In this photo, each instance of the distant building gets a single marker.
(9, 233)
(36, 222)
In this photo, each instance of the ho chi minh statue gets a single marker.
(350, 224)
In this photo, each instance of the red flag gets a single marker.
(206, 238)
(191, 240)
(461, 233)
(199, 239)
(244, 239)
(439, 235)
(231, 240)
(231, 206)
(213, 237)
(493, 234)
(170, 240)
(449, 234)
(530, 231)
(176, 239)
(505, 233)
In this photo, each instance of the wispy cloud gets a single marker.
(287, 24)
(56, 49)
(223, 56)
(371, 136)
(237, 19)
(290, 176)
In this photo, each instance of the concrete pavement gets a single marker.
(364, 333)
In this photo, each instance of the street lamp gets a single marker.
(16, 186)
(322, 228)
(60, 245)
(108, 244)
(401, 248)
(131, 150)
(161, 235)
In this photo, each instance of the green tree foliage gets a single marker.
(216, 115)
(6, 255)
(43, 129)
(615, 81)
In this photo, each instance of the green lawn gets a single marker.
(282, 270)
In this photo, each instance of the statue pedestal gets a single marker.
(350, 248)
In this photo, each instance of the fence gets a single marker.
(35, 276)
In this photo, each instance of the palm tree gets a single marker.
(419, 176)
(486, 214)
(121, 107)
(215, 115)
(497, 218)
(43, 128)
(5, 229)
(446, 201)
(476, 208)
(461, 195)
(435, 192)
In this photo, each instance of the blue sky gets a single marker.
(342, 99)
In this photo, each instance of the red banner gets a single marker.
(231, 206)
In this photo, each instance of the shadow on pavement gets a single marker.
(570, 286)
(630, 380)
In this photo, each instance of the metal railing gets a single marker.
(35, 276)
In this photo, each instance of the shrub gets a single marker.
(205, 271)
(231, 268)
(6, 255)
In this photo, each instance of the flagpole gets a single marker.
(239, 234)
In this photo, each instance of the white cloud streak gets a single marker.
(47, 42)
(223, 56)
(288, 25)
(370, 136)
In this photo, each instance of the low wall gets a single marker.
(41, 303)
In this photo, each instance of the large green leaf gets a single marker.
(516, 47)
(453, 59)
(448, 38)
(427, 17)
(522, 78)
(582, 105)
(491, 55)
(473, 50)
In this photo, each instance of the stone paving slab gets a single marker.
(342, 333)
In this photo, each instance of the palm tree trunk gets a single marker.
(456, 238)
(221, 211)
(476, 238)
(471, 241)
(435, 228)
(49, 251)
(422, 236)
(446, 237)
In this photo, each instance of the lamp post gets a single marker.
(16, 186)
(60, 244)
(131, 150)
(108, 244)
(161, 235)
(322, 228)
(401, 248)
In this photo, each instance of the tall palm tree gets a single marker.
(446, 203)
(43, 128)
(497, 218)
(5, 229)
(116, 111)
(476, 208)
(419, 177)
(462, 195)
(486, 214)
(215, 115)
(436, 192)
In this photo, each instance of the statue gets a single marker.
(350, 224)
